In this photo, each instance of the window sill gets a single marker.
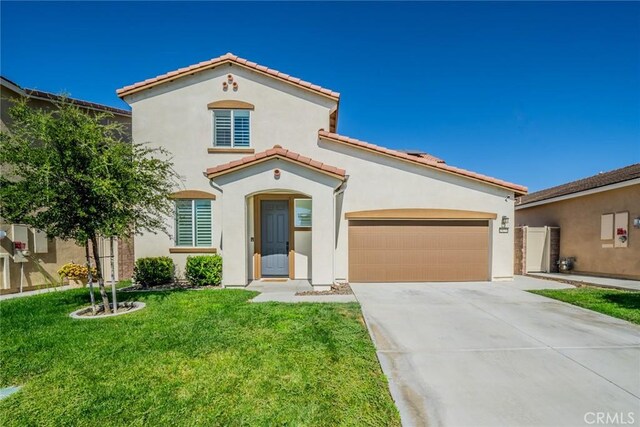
(185, 250)
(230, 150)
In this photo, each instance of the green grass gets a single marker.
(621, 304)
(190, 358)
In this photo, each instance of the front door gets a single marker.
(275, 237)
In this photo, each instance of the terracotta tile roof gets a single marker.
(275, 152)
(600, 180)
(519, 189)
(423, 155)
(228, 57)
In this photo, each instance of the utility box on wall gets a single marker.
(20, 238)
(40, 242)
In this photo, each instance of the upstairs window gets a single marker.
(231, 128)
(193, 223)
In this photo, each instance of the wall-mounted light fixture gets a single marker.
(636, 222)
(276, 174)
(504, 224)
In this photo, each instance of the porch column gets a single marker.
(234, 245)
(322, 235)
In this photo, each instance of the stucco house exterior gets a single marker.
(598, 218)
(47, 254)
(271, 185)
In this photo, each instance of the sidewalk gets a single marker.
(286, 292)
(39, 291)
(605, 282)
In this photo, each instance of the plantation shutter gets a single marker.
(203, 222)
(222, 128)
(184, 223)
(241, 128)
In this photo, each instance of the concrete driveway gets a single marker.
(471, 354)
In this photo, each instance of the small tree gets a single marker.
(71, 174)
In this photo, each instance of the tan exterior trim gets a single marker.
(257, 227)
(193, 250)
(192, 194)
(419, 214)
(216, 150)
(230, 104)
(265, 159)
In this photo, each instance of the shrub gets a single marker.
(75, 271)
(204, 270)
(153, 271)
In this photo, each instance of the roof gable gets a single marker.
(430, 161)
(224, 59)
(277, 152)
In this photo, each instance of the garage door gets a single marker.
(418, 251)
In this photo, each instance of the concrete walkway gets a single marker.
(39, 291)
(490, 354)
(605, 282)
(286, 292)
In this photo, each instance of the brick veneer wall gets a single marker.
(555, 248)
(519, 250)
(125, 258)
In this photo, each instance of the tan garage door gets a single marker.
(418, 251)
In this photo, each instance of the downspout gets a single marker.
(336, 192)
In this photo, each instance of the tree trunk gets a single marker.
(113, 277)
(90, 277)
(103, 292)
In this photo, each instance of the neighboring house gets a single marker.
(599, 221)
(47, 255)
(271, 186)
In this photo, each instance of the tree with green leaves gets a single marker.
(73, 174)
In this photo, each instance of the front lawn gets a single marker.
(622, 304)
(190, 358)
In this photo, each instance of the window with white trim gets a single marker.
(302, 212)
(193, 223)
(232, 128)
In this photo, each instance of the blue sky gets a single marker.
(534, 93)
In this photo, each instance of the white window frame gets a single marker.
(295, 219)
(193, 225)
(233, 137)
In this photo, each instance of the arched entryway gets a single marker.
(279, 234)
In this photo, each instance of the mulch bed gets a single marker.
(336, 289)
(122, 308)
(166, 287)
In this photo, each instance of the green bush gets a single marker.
(204, 270)
(153, 271)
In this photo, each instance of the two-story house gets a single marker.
(272, 186)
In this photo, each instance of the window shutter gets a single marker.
(222, 128)
(184, 223)
(241, 128)
(203, 222)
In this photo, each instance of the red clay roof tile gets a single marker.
(427, 161)
(276, 152)
(229, 57)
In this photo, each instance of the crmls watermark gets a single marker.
(609, 418)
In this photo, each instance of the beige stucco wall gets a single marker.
(175, 116)
(579, 222)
